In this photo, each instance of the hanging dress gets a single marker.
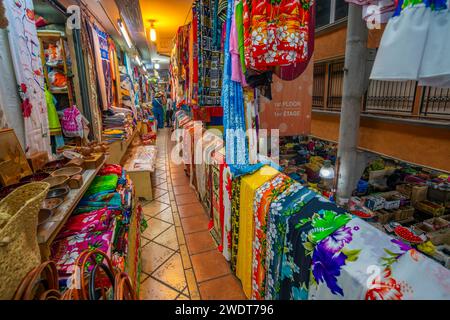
(414, 45)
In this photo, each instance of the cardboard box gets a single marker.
(374, 203)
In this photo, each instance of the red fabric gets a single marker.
(110, 169)
(275, 34)
(293, 71)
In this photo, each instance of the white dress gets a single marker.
(401, 50)
(435, 67)
(416, 46)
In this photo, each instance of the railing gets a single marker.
(390, 98)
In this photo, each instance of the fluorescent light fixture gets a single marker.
(125, 33)
(138, 60)
(152, 34)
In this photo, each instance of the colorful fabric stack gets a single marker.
(100, 221)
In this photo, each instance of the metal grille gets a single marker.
(436, 102)
(335, 85)
(319, 86)
(390, 96)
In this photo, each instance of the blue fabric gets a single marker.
(238, 170)
(236, 151)
(158, 112)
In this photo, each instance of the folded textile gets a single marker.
(102, 184)
(66, 250)
(98, 220)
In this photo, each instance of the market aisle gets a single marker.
(179, 257)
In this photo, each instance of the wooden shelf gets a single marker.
(47, 232)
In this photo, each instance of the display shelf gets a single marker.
(117, 149)
(47, 232)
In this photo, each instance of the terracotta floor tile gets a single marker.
(180, 182)
(153, 255)
(182, 297)
(190, 210)
(172, 273)
(158, 192)
(152, 289)
(155, 227)
(195, 224)
(164, 198)
(180, 190)
(200, 242)
(186, 199)
(209, 265)
(224, 288)
(165, 215)
(153, 208)
(178, 175)
(168, 238)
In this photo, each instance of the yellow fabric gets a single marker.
(249, 185)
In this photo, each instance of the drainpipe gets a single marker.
(354, 80)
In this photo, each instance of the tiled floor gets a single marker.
(180, 259)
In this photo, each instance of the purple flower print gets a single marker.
(335, 242)
(403, 246)
(326, 267)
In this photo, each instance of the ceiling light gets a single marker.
(138, 60)
(151, 33)
(157, 66)
(125, 33)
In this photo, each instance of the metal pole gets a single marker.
(354, 80)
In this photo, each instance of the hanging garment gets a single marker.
(250, 114)
(287, 204)
(376, 11)
(410, 49)
(227, 185)
(293, 71)
(316, 221)
(235, 213)
(209, 55)
(26, 57)
(233, 104)
(236, 69)
(87, 47)
(249, 185)
(264, 196)
(276, 32)
(53, 118)
(158, 111)
(239, 17)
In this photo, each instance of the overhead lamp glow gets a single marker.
(124, 32)
(152, 34)
(138, 60)
(327, 171)
(157, 66)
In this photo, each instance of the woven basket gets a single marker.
(19, 250)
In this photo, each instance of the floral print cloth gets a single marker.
(97, 220)
(66, 250)
(361, 262)
(249, 185)
(26, 57)
(287, 204)
(235, 209)
(316, 221)
(264, 196)
(226, 208)
(275, 32)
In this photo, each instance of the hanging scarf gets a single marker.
(233, 104)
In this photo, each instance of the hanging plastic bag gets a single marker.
(72, 123)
